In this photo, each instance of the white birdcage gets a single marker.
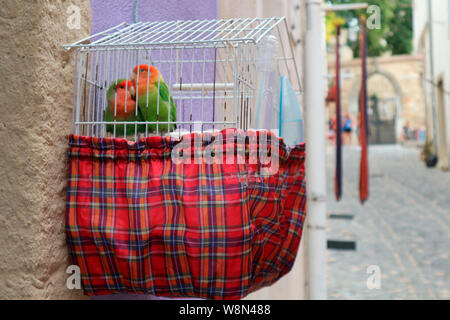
(221, 73)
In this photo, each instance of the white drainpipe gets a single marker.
(314, 68)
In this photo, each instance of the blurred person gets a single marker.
(332, 129)
(347, 128)
(406, 131)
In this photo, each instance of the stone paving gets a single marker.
(403, 229)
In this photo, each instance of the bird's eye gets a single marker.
(142, 70)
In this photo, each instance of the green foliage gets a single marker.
(331, 20)
(395, 32)
(399, 37)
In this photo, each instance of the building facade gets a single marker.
(436, 76)
(395, 95)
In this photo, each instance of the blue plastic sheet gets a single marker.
(291, 121)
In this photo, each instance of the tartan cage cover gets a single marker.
(137, 221)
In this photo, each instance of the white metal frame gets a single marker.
(207, 64)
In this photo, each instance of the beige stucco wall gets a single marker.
(36, 103)
(441, 67)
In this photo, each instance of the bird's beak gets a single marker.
(133, 77)
(133, 92)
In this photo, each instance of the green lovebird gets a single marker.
(145, 78)
(121, 93)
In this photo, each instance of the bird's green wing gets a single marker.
(140, 118)
(109, 118)
(164, 94)
(173, 113)
(147, 107)
(162, 112)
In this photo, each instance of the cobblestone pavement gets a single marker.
(403, 228)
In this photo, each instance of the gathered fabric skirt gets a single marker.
(149, 217)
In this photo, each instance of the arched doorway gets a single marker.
(384, 106)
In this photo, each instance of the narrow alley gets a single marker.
(403, 229)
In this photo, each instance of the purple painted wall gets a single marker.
(108, 13)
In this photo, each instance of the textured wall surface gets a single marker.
(35, 118)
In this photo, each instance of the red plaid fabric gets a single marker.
(139, 222)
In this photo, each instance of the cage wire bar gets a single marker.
(212, 69)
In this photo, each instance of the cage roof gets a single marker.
(181, 32)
